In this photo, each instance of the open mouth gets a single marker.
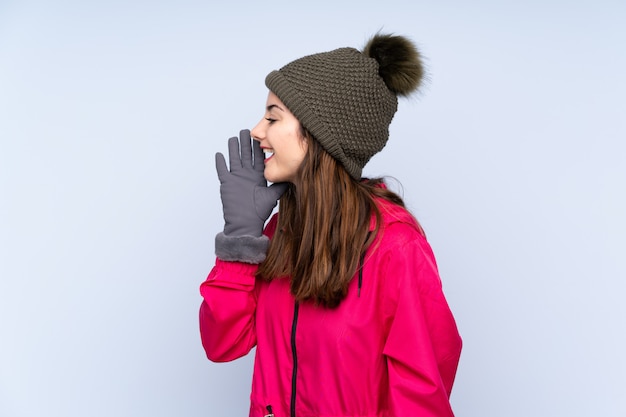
(268, 155)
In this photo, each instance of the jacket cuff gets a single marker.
(248, 249)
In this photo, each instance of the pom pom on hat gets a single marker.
(399, 62)
(346, 98)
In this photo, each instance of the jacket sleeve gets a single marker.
(228, 309)
(423, 345)
(227, 312)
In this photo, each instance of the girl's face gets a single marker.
(279, 135)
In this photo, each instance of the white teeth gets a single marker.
(268, 153)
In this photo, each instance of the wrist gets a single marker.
(234, 230)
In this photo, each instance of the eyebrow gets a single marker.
(272, 106)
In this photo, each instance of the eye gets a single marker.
(270, 120)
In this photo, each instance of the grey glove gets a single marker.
(247, 201)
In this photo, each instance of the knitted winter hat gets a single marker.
(347, 98)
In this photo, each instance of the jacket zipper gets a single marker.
(361, 260)
(361, 265)
(294, 372)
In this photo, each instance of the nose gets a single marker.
(258, 133)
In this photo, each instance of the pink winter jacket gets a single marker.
(390, 349)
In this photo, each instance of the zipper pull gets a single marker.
(269, 411)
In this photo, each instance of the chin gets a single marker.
(275, 176)
(272, 178)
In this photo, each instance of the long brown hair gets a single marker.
(323, 227)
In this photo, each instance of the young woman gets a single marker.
(339, 292)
